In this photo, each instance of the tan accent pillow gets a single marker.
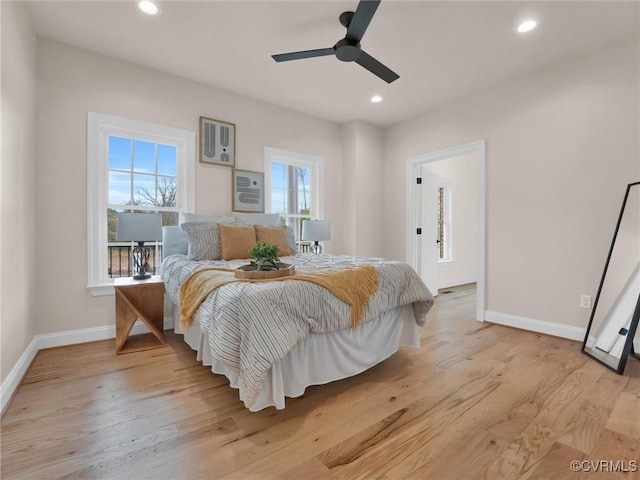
(274, 236)
(236, 241)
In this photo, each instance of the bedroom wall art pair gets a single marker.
(218, 147)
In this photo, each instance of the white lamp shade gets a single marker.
(316, 230)
(139, 227)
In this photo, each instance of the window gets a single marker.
(444, 224)
(293, 184)
(135, 167)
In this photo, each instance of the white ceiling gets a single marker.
(441, 50)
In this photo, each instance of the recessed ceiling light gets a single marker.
(148, 7)
(376, 99)
(527, 26)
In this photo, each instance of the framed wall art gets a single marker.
(248, 191)
(217, 142)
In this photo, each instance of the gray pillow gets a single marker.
(204, 239)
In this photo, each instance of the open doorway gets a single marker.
(445, 244)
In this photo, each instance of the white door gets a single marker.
(428, 239)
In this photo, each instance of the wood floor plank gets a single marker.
(528, 448)
(481, 435)
(625, 417)
(585, 428)
(617, 451)
(312, 469)
(556, 464)
(475, 401)
(425, 420)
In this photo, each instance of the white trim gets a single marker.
(101, 290)
(84, 335)
(533, 325)
(413, 170)
(60, 339)
(315, 163)
(457, 282)
(99, 127)
(17, 373)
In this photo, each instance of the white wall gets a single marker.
(562, 143)
(72, 81)
(461, 175)
(17, 238)
(363, 166)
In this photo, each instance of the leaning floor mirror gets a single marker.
(616, 310)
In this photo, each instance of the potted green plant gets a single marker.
(265, 256)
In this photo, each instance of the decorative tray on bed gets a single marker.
(250, 272)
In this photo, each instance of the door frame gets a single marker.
(477, 148)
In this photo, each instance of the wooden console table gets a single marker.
(143, 299)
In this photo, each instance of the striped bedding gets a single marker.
(251, 326)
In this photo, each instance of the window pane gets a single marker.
(112, 224)
(277, 175)
(119, 188)
(170, 218)
(290, 189)
(119, 253)
(119, 153)
(167, 192)
(144, 189)
(291, 192)
(304, 192)
(167, 159)
(277, 201)
(144, 156)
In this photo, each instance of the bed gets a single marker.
(273, 339)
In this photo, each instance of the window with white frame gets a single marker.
(294, 186)
(445, 249)
(138, 167)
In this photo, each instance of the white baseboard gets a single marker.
(60, 339)
(14, 379)
(456, 283)
(540, 326)
(94, 334)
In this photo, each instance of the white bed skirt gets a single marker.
(320, 358)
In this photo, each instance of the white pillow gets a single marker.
(267, 219)
(291, 240)
(196, 217)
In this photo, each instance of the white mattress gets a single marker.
(320, 358)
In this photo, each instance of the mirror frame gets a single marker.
(628, 345)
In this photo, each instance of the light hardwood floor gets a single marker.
(475, 401)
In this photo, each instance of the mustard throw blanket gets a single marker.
(354, 286)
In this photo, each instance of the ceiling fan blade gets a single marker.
(320, 52)
(374, 66)
(361, 19)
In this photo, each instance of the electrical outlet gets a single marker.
(585, 301)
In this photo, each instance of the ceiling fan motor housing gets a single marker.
(347, 50)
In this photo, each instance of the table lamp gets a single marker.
(140, 228)
(316, 231)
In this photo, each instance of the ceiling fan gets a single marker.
(348, 49)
